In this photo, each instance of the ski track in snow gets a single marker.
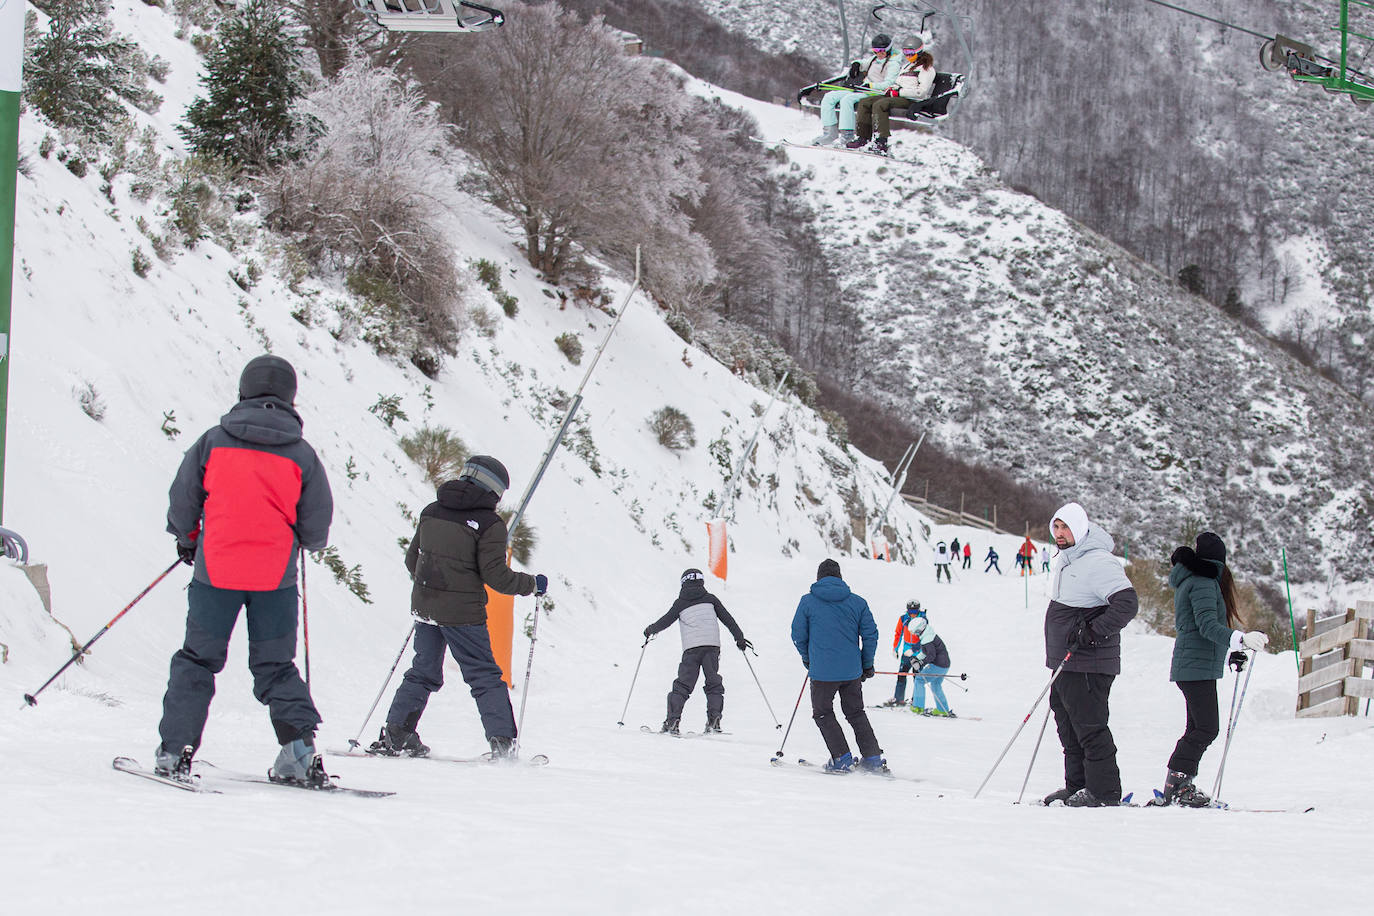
(615, 823)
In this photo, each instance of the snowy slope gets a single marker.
(620, 821)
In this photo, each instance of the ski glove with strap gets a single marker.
(541, 584)
(1237, 661)
(1081, 635)
(743, 644)
(186, 553)
(868, 672)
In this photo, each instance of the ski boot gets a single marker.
(940, 713)
(298, 764)
(502, 747)
(1083, 798)
(893, 701)
(856, 143)
(827, 135)
(670, 726)
(874, 764)
(841, 764)
(846, 137)
(1179, 790)
(712, 725)
(398, 741)
(920, 710)
(879, 147)
(1058, 795)
(173, 766)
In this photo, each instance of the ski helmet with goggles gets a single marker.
(882, 42)
(912, 46)
(487, 473)
(913, 605)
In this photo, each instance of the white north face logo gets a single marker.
(472, 524)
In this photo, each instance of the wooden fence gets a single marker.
(950, 517)
(1333, 654)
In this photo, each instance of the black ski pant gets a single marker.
(471, 648)
(908, 662)
(968, 561)
(1079, 701)
(992, 564)
(943, 568)
(1204, 724)
(852, 705)
(698, 660)
(277, 683)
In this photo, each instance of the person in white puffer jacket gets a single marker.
(913, 84)
(878, 74)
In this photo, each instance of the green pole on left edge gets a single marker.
(11, 81)
(1291, 623)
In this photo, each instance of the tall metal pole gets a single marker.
(901, 481)
(11, 82)
(739, 468)
(844, 31)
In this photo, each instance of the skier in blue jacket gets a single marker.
(834, 631)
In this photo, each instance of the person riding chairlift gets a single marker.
(837, 106)
(914, 83)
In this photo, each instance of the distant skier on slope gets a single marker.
(968, 556)
(1091, 600)
(1025, 558)
(698, 614)
(901, 640)
(1204, 613)
(1045, 558)
(834, 632)
(459, 549)
(992, 561)
(249, 492)
(942, 562)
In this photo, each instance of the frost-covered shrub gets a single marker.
(525, 538)
(438, 452)
(92, 404)
(569, 346)
(673, 428)
(483, 320)
(680, 324)
(140, 262)
(366, 198)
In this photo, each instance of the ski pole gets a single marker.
(1035, 753)
(1230, 724)
(632, 682)
(305, 620)
(794, 716)
(962, 677)
(31, 699)
(1230, 731)
(525, 692)
(1057, 671)
(776, 723)
(353, 742)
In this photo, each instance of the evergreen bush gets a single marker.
(673, 429)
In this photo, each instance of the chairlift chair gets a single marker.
(1302, 61)
(946, 92)
(431, 15)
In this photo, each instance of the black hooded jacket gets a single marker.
(459, 548)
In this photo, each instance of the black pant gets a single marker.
(943, 568)
(852, 705)
(1204, 724)
(698, 660)
(1079, 701)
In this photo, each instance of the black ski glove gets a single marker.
(187, 553)
(806, 663)
(648, 634)
(1081, 635)
(541, 584)
(1237, 661)
(868, 672)
(743, 644)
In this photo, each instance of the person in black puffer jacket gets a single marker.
(458, 550)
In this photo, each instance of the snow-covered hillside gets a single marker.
(620, 821)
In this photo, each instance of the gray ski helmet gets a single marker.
(914, 43)
(268, 375)
(882, 42)
(487, 473)
(913, 605)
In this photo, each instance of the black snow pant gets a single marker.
(1079, 701)
(698, 660)
(968, 561)
(471, 648)
(852, 705)
(277, 683)
(943, 568)
(1204, 724)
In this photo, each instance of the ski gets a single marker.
(819, 768)
(215, 774)
(1159, 802)
(538, 760)
(773, 144)
(925, 714)
(134, 768)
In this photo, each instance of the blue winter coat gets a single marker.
(1200, 622)
(827, 629)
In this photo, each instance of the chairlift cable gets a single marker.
(1260, 35)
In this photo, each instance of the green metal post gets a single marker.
(1292, 625)
(11, 80)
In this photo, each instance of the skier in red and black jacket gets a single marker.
(250, 492)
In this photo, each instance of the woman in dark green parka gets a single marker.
(1207, 621)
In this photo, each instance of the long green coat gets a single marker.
(1200, 620)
